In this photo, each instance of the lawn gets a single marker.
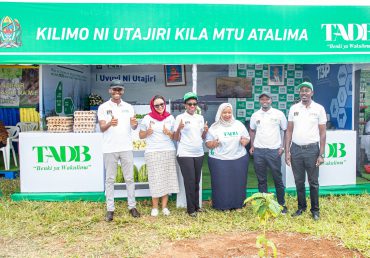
(59, 229)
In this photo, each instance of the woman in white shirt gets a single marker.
(160, 153)
(228, 159)
(190, 130)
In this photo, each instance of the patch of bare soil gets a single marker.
(244, 245)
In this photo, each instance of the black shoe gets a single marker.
(315, 215)
(109, 216)
(134, 213)
(194, 214)
(284, 211)
(299, 212)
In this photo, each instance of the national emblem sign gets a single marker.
(10, 33)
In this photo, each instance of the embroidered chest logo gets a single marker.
(230, 134)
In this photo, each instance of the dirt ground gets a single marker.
(243, 245)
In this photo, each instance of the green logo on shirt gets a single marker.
(226, 134)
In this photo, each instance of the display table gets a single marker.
(61, 162)
(141, 188)
(339, 167)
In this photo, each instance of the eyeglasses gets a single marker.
(159, 105)
(305, 90)
(192, 104)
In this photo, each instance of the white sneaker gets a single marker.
(154, 212)
(166, 212)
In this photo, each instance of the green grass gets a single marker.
(59, 229)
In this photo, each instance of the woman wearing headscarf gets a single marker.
(160, 153)
(228, 159)
(190, 130)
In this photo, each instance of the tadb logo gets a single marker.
(335, 150)
(62, 153)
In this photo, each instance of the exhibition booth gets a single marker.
(72, 53)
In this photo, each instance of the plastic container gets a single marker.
(367, 169)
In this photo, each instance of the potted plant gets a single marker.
(94, 101)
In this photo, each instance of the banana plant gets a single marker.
(265, 207)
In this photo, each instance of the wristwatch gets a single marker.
(322, 156)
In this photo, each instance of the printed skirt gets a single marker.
(162, 175)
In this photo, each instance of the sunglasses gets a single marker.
(159, 105)
(192, 104)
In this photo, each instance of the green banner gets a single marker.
(91, 33)
(68, 106)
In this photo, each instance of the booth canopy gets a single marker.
(114, 33)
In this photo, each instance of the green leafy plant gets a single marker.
(265, 207)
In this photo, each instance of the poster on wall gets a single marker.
(233, 87)
(19, 86)
(276, 74)
(333, 89)
(66, 89)
(174, 75)
(283, 94)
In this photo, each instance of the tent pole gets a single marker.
(195, 77)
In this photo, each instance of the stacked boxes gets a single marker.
(84, 121)
(59, 124)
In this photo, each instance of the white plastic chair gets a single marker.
(27, 126)
(6, 153)
(13, 137)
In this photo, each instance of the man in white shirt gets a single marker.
(116, 119)
(305, 146)
(267, 128)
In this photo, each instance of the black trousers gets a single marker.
(303, 159)
(269, 158)
(191, 170)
